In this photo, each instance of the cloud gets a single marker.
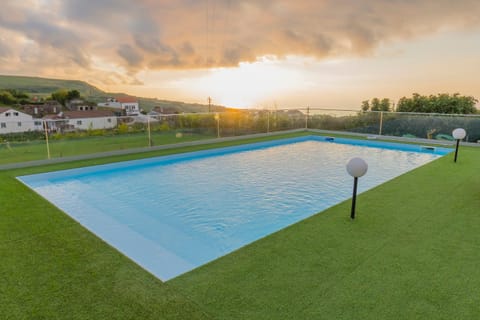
(130, 54)
(181, 34)
(5, 51)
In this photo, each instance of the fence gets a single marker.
(45, 139)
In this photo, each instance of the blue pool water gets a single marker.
(172, 214)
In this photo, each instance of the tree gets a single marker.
(73, 94)
(440, 103)
(377, 105)
(64, 95)
(18, 94)
(365, 105)
(385, 105)
(60, 96)
(13, 96)
(7, 98)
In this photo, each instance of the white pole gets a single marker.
(46, 138)
(149, 134)
(381, 123)
(306, 117)
(268, 121)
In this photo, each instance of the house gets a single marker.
(129, 105)
(13, 121)
(39, 110)
(81, 120)
(79, 105)
(57, 123)
(90, 120)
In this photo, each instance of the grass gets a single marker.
(43, 87)
(37, 150)
(412, 253)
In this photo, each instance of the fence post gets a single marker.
(381, 123)
(149, 134)
(306, 117)
(46, 138)
(268, 121)
(217, 117)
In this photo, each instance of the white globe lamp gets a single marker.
(356, 167)
(458, 134)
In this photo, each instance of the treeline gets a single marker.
(63, 96)
(440, 103)
(12, 96)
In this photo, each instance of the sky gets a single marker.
(255, 53)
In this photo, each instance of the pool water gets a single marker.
(172, 214)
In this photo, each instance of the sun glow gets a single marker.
(249, 84)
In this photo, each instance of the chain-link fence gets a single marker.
(399, 124)
(55, 138)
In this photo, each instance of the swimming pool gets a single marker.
(174, 213)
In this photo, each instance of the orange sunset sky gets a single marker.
(317, 53)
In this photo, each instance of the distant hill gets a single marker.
(43, 87)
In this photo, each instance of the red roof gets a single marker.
(127, 99)
(3, 109)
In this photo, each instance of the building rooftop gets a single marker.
(3, 109)
(127, 99)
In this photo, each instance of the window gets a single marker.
(3, 125)
(15, 114)
(7, 114)
(109, 120)
(19, 124)
(79, 122)
(37, 123)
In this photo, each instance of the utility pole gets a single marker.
(209, 104)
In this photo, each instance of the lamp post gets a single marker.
(356, 167)
(458, 134)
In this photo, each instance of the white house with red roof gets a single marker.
(13, 121)
(126, 103)
(92, 119)
(81, 120)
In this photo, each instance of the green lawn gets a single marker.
(37, 150)
(412, 253)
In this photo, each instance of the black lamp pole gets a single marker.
(456, 150)
(354, 197)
